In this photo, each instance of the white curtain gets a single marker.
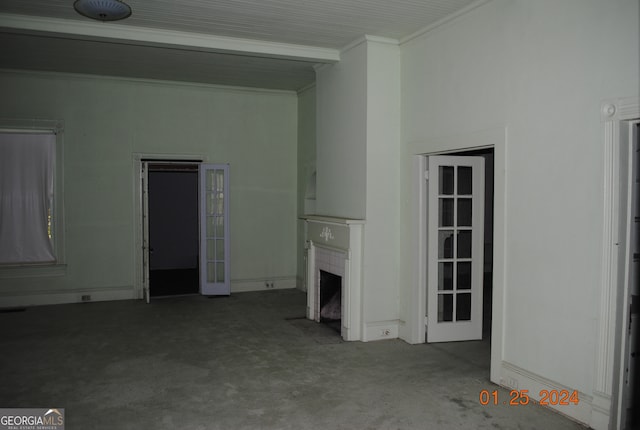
(26, 197)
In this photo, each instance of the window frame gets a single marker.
(57, 267)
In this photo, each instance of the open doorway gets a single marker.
(173, 232)
(459, 245)
(207, 192)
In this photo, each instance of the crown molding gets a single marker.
(121, 33)
(368, 38)
(444, 21)
(144, 81)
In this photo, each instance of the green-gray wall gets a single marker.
(107, 121)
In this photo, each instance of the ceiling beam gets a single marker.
(120, 33)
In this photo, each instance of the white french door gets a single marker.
(455, 247)
(214, 229)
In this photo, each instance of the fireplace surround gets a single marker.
(334, 245)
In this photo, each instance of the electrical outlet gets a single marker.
(385, 332)
(510, 383)
(86, 298)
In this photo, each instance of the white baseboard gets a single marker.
(57, 297)
(380, 330)
(601, 411)
(263, 284)
(15, 299)
(516, 378)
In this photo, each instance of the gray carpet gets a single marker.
(247, 361)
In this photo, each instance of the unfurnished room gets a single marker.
(356, 214)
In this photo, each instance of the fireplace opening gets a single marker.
(331, 300)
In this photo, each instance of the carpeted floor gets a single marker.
(248, 361)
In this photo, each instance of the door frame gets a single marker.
(616, 115)
(495, 139)
(138, 224)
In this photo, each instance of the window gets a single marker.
(28, 216)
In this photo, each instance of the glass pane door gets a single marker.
(214, 229)
(455, 248)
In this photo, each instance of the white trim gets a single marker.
(63, 296)
(419, 294)
(607, 389)
(31, 125)
(500, 256)
(155, 82)
(517, 378)
(128, 34)
(603, 377)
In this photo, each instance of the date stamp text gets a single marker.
(521, 397)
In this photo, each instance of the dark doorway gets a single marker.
(173, 229)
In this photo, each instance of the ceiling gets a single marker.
(256, 43)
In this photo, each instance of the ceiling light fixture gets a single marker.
(103, 10)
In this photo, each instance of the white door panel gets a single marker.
(214, 229)
(455, 237)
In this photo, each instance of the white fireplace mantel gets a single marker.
(339, 242)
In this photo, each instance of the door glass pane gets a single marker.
(219, 272)
(464, 276)
(211, 204)
(445, 276)
(211, 251)
(445, 212)
(211, 180)
(445, 244)
(220, 203)
(211, 272)
(463, 307)
(215, 226)
(446, 180)
(445, 307)
(464, 244)
(219, 180)
(219, 226)
(464, 180)
(464, 212)
(210, 226)
(220, 249)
